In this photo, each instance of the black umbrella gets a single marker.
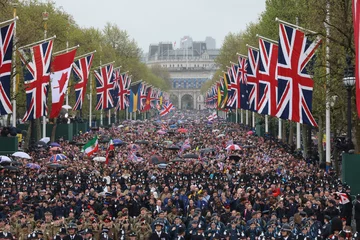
(248, 146)
(174, 148)
(41, 144)
(142, 142)
(73, 142)
(155, 159)
(170, 132)
(191, 155)
(233, 130)
(80, 144)
(178, 160)
(207, 150)
(234, 157)
(11, 168)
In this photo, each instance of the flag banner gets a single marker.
(81, 69)
(91, 147)
(219, 93)
(105, 87)
(122, 91)
(295, 83)
(6, 51)
(147, 106)
(167, 108)
(242, 75)
(61, 69)
(134, 98)
(37, 60)
(224, 88)
(154, 92)
(356, 21)
(232, 89)
(252, 82)
(143, 95)
(108, 150)
(267, 82)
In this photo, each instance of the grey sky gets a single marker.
(152, 21)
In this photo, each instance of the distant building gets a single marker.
(190, 66)
(210, 43)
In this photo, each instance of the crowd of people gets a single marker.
(181, 177)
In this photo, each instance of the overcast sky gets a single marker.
(153, 21)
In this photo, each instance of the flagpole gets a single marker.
(298, 134)
(236, 117)
(14, 65)
(280, 129)
(266, 123)
(295, 26)
(247, 117)
(90, 101)
(241, 116)
(327, 116)
(13, 19)
(45, 18)
(253, 119)
(84, 55)
(38, 42)
(67, 49)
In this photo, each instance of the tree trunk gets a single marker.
(53, 131)
(305, 141)
(38, 128)
(320, 138)
(28, 136)
(291, 134)
(284, 131)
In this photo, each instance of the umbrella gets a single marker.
(155, 159)
(250, 132)
(162, 165)
(57, 157)
(191, 155)
(173, 126)
(56, 165)
(170, 132)
(67, 107)
(173, 148)
(121, 126)
(233, 147)
(168, 142)
(206, 150)
(142, 142)
(80, 144)
(21, 155)
(41, 144)
(220, 135)
(33, 166)
(182, 130)
(55, 149)
(161, 132)
(249, 146)
(118, 142)
(54, 144)
(73, 142)
(215, 130)
(45, 140)
(5, 160)
(99, 159)
(11, 168)
(234, 157)
(177, 160)
(232, 130)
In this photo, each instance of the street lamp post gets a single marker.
(349, 82)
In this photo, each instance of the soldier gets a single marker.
(88, 234)
(132, 236)
(72, 233)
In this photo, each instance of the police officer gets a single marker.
(72, 233)
(61, 234)
(159, 234)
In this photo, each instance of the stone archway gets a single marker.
(187, 101)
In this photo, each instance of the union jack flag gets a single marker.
(232, 89)
(143, 94)
(153, 96)
(295, 84)
(81, 69)
(242, 75)
(37, 61)
(123, 91)
(251, 70)
(105, 87)
(167, 108)
(267, 77)
(6, 50)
